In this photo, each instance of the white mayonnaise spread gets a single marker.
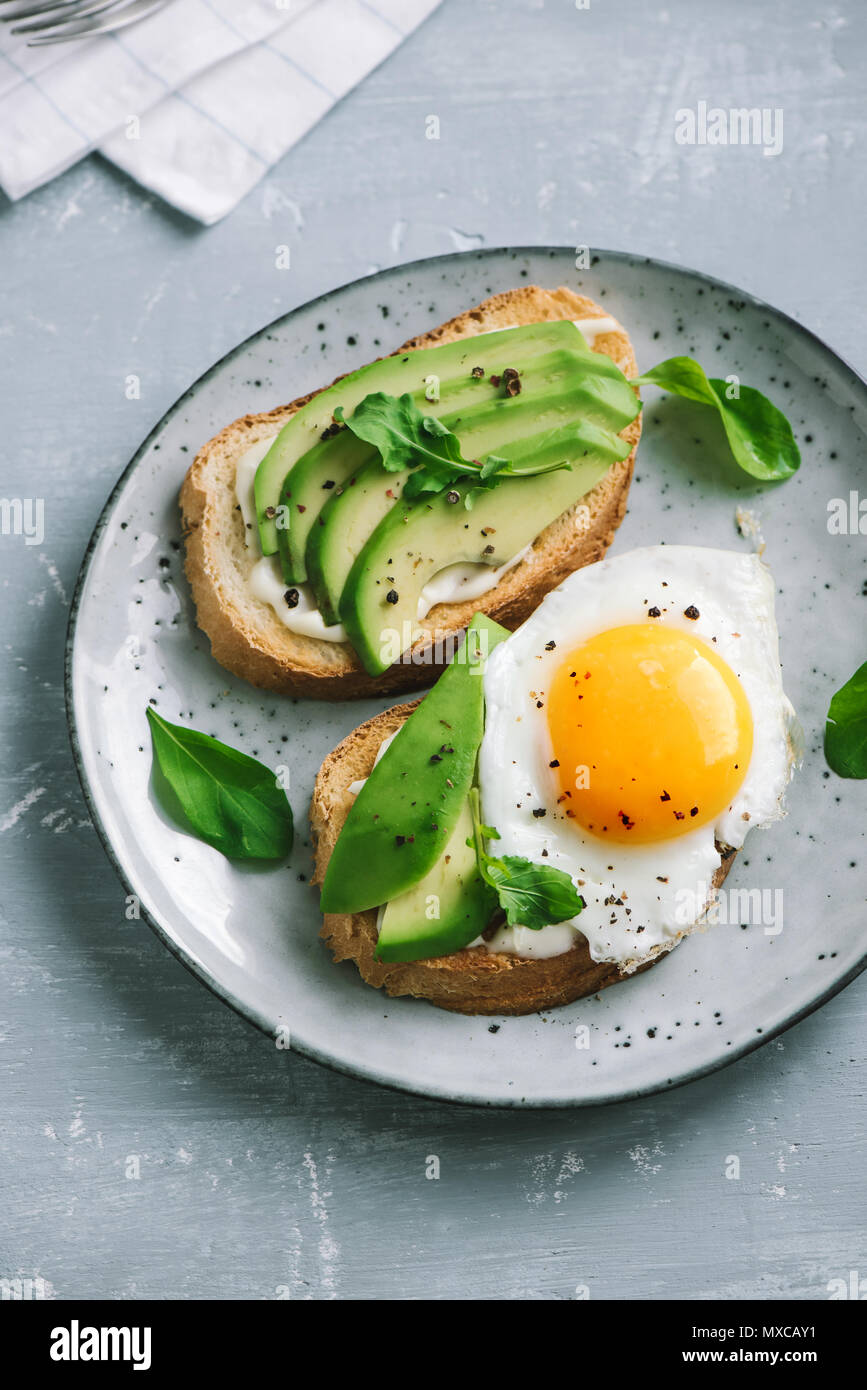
(245, 476)
(269, 586)
(465, 580)
(539, 945)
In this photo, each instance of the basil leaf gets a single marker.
(846, 728)
(531, 895)
(221, 796)
(759, 435)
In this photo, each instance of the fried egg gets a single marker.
(636, 729)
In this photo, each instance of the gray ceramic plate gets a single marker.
(252, 934)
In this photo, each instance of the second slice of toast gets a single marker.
(473, 981)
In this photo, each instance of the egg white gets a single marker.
(734, 594)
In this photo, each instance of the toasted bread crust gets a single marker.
(467, 982)
(246, 635)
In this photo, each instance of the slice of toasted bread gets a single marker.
(249, 639)
(474, 981)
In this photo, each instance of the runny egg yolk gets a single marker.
(652, 732)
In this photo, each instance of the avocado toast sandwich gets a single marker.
(326, 554)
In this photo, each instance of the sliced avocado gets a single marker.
(415, 540)
(556, 388)
(320, 476)
(406, 812)
(450, 363)
(308, 486)
(445, 910)
(305, 491)
(343, 527)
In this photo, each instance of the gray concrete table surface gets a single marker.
(263, 1175)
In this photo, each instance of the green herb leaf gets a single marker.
(424, 481)
(406, 438)
(531, 895)
(846, 728)
(492, 465)
(759, 435)
(403, 435)
(221, 796)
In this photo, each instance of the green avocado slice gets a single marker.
(445, 910)
(407, 810)
(343, 528)
(450, 363)
(306, 489)
(415, 540)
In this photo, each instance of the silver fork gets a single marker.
(59, 21)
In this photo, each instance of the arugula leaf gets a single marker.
(531, 895)
(221, 796)
(846, 728)
(759, 435)
(403, 435)
(492, 465)
(406, 438)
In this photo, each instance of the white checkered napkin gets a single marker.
(196, 102)
(58, 103)
(205, 148)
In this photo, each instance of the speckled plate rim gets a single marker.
(163, 931)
